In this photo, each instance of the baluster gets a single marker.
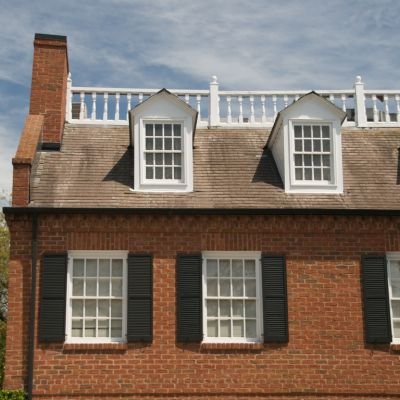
(82, 106)
(117, 106)
(332, 98)
(274, 106)
(186, 98)
(397, 97)
(386, 100)
(198, 102)
(140, 98)
(252, 117)
(229, 117)
(264, 115)
(375, 108)
(240, 100)
(93, 106)
(344, 97)
(128, 104)
(285, 100)
(105, 111)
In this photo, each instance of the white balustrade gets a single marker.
(217, 107)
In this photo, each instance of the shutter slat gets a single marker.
(274, 299)
(52, 298)
(376, 300)
(140, 298)
(189, 298)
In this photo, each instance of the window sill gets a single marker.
(232, 346)
(95, 347)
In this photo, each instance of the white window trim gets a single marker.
(256, 255)
(68, 312)
(185, 184)
(322, 187)
(393, 256)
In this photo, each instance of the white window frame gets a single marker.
(335, 185)
(395, 256)
(256, 255)
(68, 314)
(185, 184)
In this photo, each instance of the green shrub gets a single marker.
(12, 395)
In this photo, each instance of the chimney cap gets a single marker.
(45, 36)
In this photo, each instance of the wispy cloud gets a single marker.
(178, 43)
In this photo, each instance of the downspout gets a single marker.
(32, 309)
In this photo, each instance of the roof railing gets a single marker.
(232, 108)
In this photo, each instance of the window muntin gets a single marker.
(231, 294)
(96, 305)
(312, 155)
(394, 295)
(163, 151)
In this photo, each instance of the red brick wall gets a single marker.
(49, 83)
(326, 357)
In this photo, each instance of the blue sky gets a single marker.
(308, 44)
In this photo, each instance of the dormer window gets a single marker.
(162, 129)
(307, 146)
(312, 155)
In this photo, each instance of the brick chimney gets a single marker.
(45, 121)
(49, 84)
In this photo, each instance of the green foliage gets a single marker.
(12, 395)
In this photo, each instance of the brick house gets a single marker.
(203, 245)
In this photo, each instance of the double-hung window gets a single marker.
(232, 297)
(96, 296)
(394, 294)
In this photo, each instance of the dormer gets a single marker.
(307, 146)
(162, 129)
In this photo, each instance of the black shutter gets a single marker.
(140, 298)
(189, 298)
(52, 298)
(376, 300)
(274, 299)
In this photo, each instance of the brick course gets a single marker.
(326, 357)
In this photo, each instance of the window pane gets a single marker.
(104, 287)
(307, 160)
(238, 329)
(297, 131)
(299, 174)
(90, 308)
(307, 131)
(250, 308)
(104, 267)
(251, 328)
(326, 145)
(90, 328)
(396, 329)
(104, 308)
(237, 267)
(116, 289)
(177, 130)
(250, 286)
(396, 308)
(307, 145)
(77, 308)
(317, 160)
(116, 308)
(77, 287)
(149, 173)
(78, 268)
(159, 158)
(159, 173)
(250, 268)
(77, 328)
(91, 267)
(149, 129)
(224, 268)
(177, 144)
(168, 159)
(395, 288)
(212, 328)
(224, 287)
(308, 174)
(116, 328)
(212, 268)
(103, 330)
(225, 326)
(168, 144)
(237, 308)
(298, 160)
(225, 308)
(326, 161)
(149, 144)
(159, 144)
(158, 129)
(395, 269)
(149, 159)
(212, 308)
(91, 286)
(177, 173)
(316, 131)
(237, 287)
(316, 145)
(298, 145)
(117, 268)
(325, 131)
(167, 130)
(327, 174)
(212, 287)
(168, 173)
(177, 159)
(317, 174)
